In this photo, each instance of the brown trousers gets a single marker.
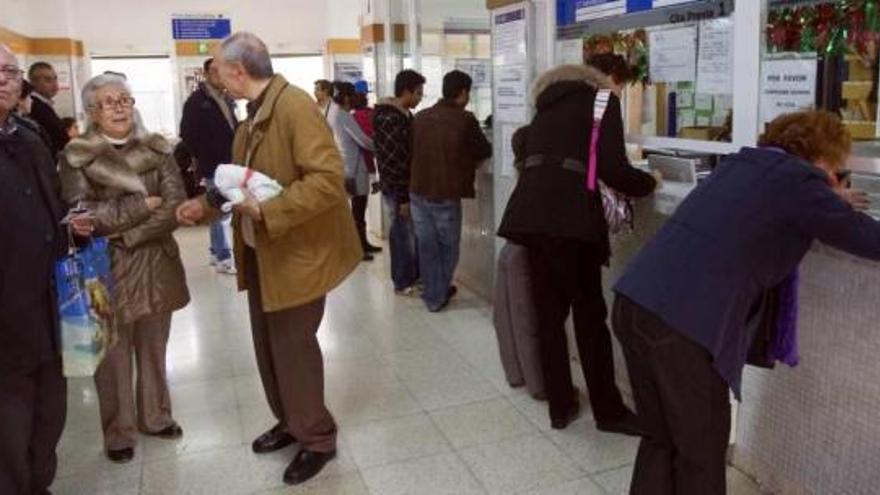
(291, 365)
(147, 339)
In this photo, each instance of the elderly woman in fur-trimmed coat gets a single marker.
(128, 180)
(563, 225)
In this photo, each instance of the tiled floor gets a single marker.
(421, 400)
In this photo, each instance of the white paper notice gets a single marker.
(715, 60)
(787, 85)
(673, 54)
(511, 94)
(511, 71)
(570, 51)
(508, 159)
(509, 37)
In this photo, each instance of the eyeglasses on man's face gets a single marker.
(11, 72)
(108, 104)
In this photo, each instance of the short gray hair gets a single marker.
(90, 90)
(90, 98)
(250, 50)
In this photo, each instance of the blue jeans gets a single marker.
(438, 231)
(219, 244)
(402, 244)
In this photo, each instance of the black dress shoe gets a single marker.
(121, 456)
(368, 257)
(572, 414)
(272, 440)
(369, 248)
(627, 425)
(306, 465)
(171, 433)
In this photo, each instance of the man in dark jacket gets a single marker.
(392, 128)
(32, 387)
(208, 128)
(684, 303)
(45, 81)
(448, 147)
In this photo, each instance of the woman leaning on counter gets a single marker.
(683, 304)
(128, 180)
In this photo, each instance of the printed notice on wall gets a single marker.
(510, 61)
(673, 54)
(715, 59)
(787, 85)
(508, 158)
(509, 37)
(511, 94)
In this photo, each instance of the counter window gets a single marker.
(682, 76)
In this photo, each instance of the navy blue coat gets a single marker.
(206, 132)
(742, 231)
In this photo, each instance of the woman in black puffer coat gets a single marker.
(563, 225)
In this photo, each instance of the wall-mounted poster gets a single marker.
(351, 72)
(480, 70)
(192, 77)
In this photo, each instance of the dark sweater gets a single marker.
(743, 231)
(392, 137)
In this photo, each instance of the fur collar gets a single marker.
(107, 166)
(569, 73)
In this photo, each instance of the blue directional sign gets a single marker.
(201, 28)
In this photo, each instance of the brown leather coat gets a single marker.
(113, 183)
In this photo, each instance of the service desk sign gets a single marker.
(787, 85)
(200, 27)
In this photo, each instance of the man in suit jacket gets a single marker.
(45, 82)
(32, 387)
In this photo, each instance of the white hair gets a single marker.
(250, 51)
(90, 98)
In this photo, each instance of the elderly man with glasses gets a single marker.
(32, 387)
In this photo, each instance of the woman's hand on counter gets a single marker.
(658, 178)
(857, 199)
(154, 202)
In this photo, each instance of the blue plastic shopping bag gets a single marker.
(84, 284)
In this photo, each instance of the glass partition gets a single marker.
(822, 54)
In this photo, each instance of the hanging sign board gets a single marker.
(787, 85)
(597, 9)
(200, 27)
(673, 54)
(572, 11)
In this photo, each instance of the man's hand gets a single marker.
(154, 202)
(250, 207)
(857, 199)
(404, 211)
(82, 224)
(190, 212)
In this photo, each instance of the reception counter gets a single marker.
(815, 428)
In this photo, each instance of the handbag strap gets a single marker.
(603, 96)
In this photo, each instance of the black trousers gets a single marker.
(567, 275)
(33, 408)
(683, 405)
(359, 212)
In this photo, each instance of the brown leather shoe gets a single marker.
(306, 465)
(273, 440)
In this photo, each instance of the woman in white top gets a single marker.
(352, 142)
